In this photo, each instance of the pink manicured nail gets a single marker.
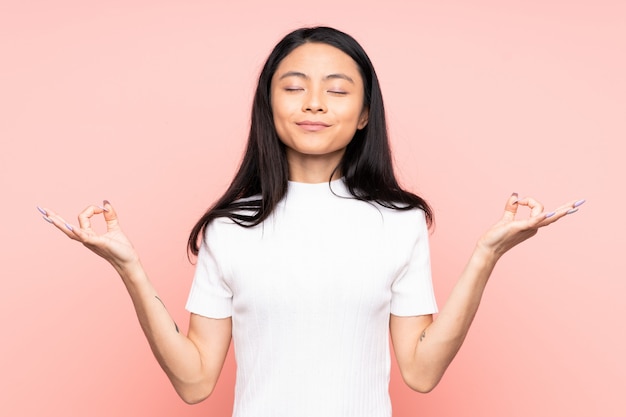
(70, 228)
(570, 211)
(516, 198)
(550, 214)
(45, 214)
(103, 208)
(579, 203)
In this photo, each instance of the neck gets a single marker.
(314, 169)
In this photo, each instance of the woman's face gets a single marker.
(317, 101)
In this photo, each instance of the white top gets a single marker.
(310, 291)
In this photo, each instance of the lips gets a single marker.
(312, 126)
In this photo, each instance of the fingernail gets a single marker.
(104, 202)
(103, 208)
(70, 228)
(48, 219)
(42, 211)
(570, 211)
(550, 214)
(579, 203)
(516, 198)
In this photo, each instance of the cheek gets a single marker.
(352, 112)
(279, 117)
(281, 109)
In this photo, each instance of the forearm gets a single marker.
(177, 355)
(425, 348)
(439, 343)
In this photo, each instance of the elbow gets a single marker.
(422, 384)
(423, 388)
(192, 399)
(194, 394)
(423, 376)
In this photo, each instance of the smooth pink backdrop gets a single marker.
(146, 103)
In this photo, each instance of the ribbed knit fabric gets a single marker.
(310, 292)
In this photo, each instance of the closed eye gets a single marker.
(340, 92)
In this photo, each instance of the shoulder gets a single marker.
(238, 212)
(404, 227)
(408, 216)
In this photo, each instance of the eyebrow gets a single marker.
(328, 77)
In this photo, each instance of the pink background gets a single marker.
(146, 103)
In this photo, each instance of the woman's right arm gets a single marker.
(193, 362)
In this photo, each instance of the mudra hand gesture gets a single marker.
(116, 248)
(509, 231)
(113, 245)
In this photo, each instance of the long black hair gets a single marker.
(262, 178)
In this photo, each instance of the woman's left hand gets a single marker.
(509, 232)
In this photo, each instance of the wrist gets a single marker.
(485, 255)
(131, 272)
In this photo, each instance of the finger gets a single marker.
(562, 211)
(44, 212)
(84, 218)
(60, 223)
(110, 215)
(572, 207)
(510, 209)
(536, 208)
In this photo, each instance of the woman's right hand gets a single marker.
(113, 245)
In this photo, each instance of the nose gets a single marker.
(314, 102)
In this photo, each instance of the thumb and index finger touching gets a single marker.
(110, 215)
(513, 204)
(510, 209)
(537, 213)
(84, 220)
(106, 209)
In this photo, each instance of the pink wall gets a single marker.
(146, 103)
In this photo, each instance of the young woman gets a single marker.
(314, 254)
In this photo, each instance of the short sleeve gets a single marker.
(412, 291)
(210, 295)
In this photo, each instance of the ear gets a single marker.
(364, 118)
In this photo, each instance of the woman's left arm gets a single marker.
(424, 348)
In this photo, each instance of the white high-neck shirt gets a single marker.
(310, 291)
